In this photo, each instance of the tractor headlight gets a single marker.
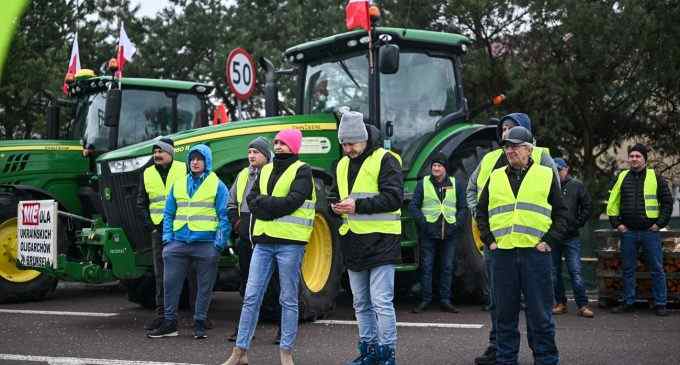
(128, 165)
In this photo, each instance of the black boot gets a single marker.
(447, 307)
(368, 355)
(488, 358)
(624, 308)
(277, 340)
(156, 322)
(421, 307)
(233, 336)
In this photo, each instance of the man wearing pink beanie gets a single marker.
(282, 203)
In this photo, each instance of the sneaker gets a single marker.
(584, 312)
(199, 330)
(166, 329)
(623, 308)
(488, 358)
(153, 324)
(447, 307)
(661, 311)
(421, 307)
(559, 308)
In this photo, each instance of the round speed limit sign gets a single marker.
(241, 76)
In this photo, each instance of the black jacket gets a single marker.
(559, 211)
(143, 199)
(267, 207)
(632, 213)
(439, 229)
(366, 251)
(578, 202)
(243, 220)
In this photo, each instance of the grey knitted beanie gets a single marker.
(352, 128)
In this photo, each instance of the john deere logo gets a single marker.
(107, 193)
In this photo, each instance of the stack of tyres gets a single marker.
(610, 269)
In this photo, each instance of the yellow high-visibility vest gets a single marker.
(486, 166)
(158, 191)
(241, 182)
(366, 186)
(199, 210)
(520, 221)
(649, 191)
(296, 226)
(432, 208)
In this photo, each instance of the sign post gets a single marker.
(241, 75)
(37, 233)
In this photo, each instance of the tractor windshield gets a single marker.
(144, 114)
(422, 92)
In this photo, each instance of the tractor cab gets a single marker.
(408, 87)
(147, 108)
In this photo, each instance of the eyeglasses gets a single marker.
(512, 147)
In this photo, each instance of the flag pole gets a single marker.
(120, 73)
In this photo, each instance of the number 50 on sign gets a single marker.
(241, 76)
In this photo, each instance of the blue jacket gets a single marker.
(185, 235)
(434, 230)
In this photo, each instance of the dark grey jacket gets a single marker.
(578, 202)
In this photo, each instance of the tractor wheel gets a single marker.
(471, 278)
(321, 271)
(17, 285)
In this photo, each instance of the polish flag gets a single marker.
(220, 115)
(356, 15)
(73, 64)
(126, 49)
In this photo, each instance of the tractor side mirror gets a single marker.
(112, 112)
(53, 121)
(389, 59)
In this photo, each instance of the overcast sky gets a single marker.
(151, 7)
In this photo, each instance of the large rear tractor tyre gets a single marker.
(17, 285)
(321, 271)
(471, 280)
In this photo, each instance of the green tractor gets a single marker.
(408, 84)
(62, 167)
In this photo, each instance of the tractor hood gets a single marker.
(26, 145)
(186, 139)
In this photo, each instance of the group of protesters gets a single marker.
(527, 207)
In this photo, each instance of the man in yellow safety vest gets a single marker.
(156, 181)
(282, 201)
(520, 215)
(640, 203)
(479, 177)
(438, 207)
(195, 231)
(370, 186)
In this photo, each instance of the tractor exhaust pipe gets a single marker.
(271, 89)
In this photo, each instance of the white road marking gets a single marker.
(82, 361)
(58, 313)
(410, 324)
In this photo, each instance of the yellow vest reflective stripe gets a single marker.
(366, 186)
(432, 208)
(521, 221)
(486, 166)
(649, 190)
(158, 191)
(241, 182)
(199, 210)
(296, 226)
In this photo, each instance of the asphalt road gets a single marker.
(109, 330)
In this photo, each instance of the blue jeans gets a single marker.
(288, 258)
(446, 249)
(488, 261)
(529, 272)
(373, 292)
(651, 242)
(571, 250)
(177, 260)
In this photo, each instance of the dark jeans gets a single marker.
(488, 261)
(651, 243)
(528, 272)
(446, 250)
(157, 252)
(571, 251)
(177, 259)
